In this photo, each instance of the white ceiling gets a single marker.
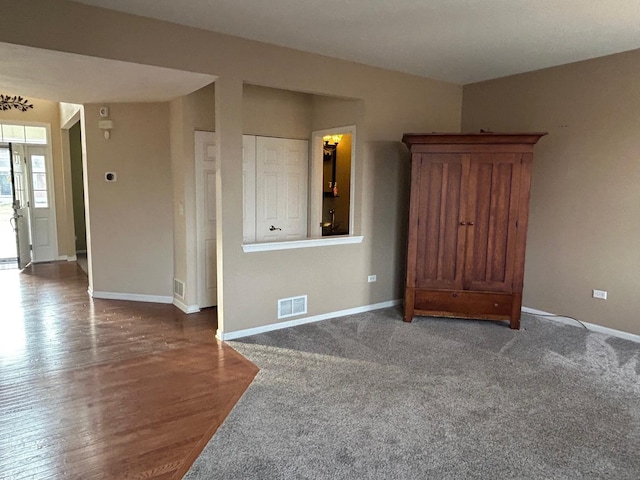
(461, 41)
(66, 77)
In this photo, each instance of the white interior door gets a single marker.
(205, 147)
(20, 220)
(248, 188)
(41, 204)
(282, 167)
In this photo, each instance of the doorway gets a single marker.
(27, 202)
(8, 246)
(77, 194)
(332, 181)
(336, 181)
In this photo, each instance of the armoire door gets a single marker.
(440, 242)
(492, 209)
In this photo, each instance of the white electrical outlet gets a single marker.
(371, 278)
(601, 294)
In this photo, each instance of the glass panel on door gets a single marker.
(39, 175)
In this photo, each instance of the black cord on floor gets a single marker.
(561, 316)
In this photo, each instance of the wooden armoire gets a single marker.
(468, 224)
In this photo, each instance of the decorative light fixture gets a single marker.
(7, 102)
(332, 139)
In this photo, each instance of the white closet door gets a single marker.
(206, 171)
(248, 188)
(282, 167)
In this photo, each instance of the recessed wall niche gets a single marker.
(271, 112)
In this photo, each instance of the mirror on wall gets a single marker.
(336, 181)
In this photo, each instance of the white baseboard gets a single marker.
(224, 336)
(133, 297)
(591, 326)
(72, 258)
(184, 307)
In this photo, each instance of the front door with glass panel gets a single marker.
(33, 217)
(8, 248)
(43, 225)
(21, 219)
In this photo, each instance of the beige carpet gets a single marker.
(371, 397)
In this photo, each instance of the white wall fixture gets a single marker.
(104, 112)
(178, 288)
(106, 126)
(600, 294)
(290, 307)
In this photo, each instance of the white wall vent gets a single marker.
(178, 288)
(290, 307)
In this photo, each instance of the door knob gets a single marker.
(463, 223)
(471, 223)
(272, 228)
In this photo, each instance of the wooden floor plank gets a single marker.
(106, 389)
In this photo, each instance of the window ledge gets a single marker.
(306, 243)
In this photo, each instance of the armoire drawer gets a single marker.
(464, 304)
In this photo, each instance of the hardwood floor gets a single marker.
(102, 389)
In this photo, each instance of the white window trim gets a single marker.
(306, 243)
